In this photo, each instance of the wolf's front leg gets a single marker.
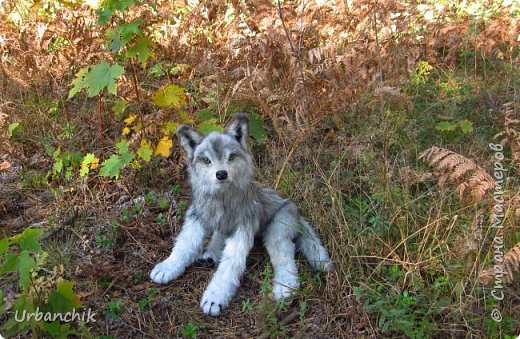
(214, 250)
(187, 249)
(226, 279)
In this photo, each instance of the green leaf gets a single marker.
(10, 263)
(143, 50)
(30, 239)
(25, 264)
(2, 303)
(58, 330)
(209, 126)
(446, 126)
(12, 129)
(58, 166)
(256, 127)
(119, 106)
(64, 299)
(111, 167)
(110, 7)
(4, 245)
(114, 42)
(129, 30)
(205, 114)
(85, 164)
(79, 83)
(144, 152)
(157, 70)
(466, 126)
(170, 95)
(126, 154)
(102, 76)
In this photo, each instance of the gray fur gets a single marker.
(234, 211)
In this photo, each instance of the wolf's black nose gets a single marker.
(221, 175)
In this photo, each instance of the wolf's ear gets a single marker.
(238, 127)
(189, 138)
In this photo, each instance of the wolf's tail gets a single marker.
(310, 245)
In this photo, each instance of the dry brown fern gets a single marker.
(510, 266)
(473, 181)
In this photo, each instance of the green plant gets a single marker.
(408, 311)
(189, 331)
(144, 303)
(113, 310)
(246, 305)
(163, 203)
(182, 205)
(24, 255)
(176, 190)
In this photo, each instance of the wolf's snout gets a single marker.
(221, 175)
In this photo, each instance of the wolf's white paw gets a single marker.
(284, 289)
(165, 272)
(211, 255)
(213, 302)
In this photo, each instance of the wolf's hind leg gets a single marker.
(278, 240)
(186, 250)
(214, 250)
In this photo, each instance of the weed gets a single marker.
(189, 331)
(246, 305)
(113, 309)
(176, 190)
(163, 204)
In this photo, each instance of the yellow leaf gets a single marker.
(186, 118)
(170, 95)
(169, 127)
(95, 163)
(126, 131)
(131, 118)
(137, 127)
(164, 147)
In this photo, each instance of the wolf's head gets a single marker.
(220, 160)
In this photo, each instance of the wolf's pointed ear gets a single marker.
(189, 138)
(238, 127)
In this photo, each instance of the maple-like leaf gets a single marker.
(209, 126)
(126, 154)
(170, 95)
(64, 299)
(102, 76)
(85, 164)
(164, 147)
(144, 151)
(143, 50)
(79, 83)
(112, 166)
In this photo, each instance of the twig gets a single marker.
(285, 321)
(100, 122)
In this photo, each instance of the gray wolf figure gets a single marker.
(229, 207)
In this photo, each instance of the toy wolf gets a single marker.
(226, 204)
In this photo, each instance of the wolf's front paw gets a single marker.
(165, 272)
(213, 302)
(283, 290)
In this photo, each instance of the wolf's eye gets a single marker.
(206, 161)
(232, 156)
